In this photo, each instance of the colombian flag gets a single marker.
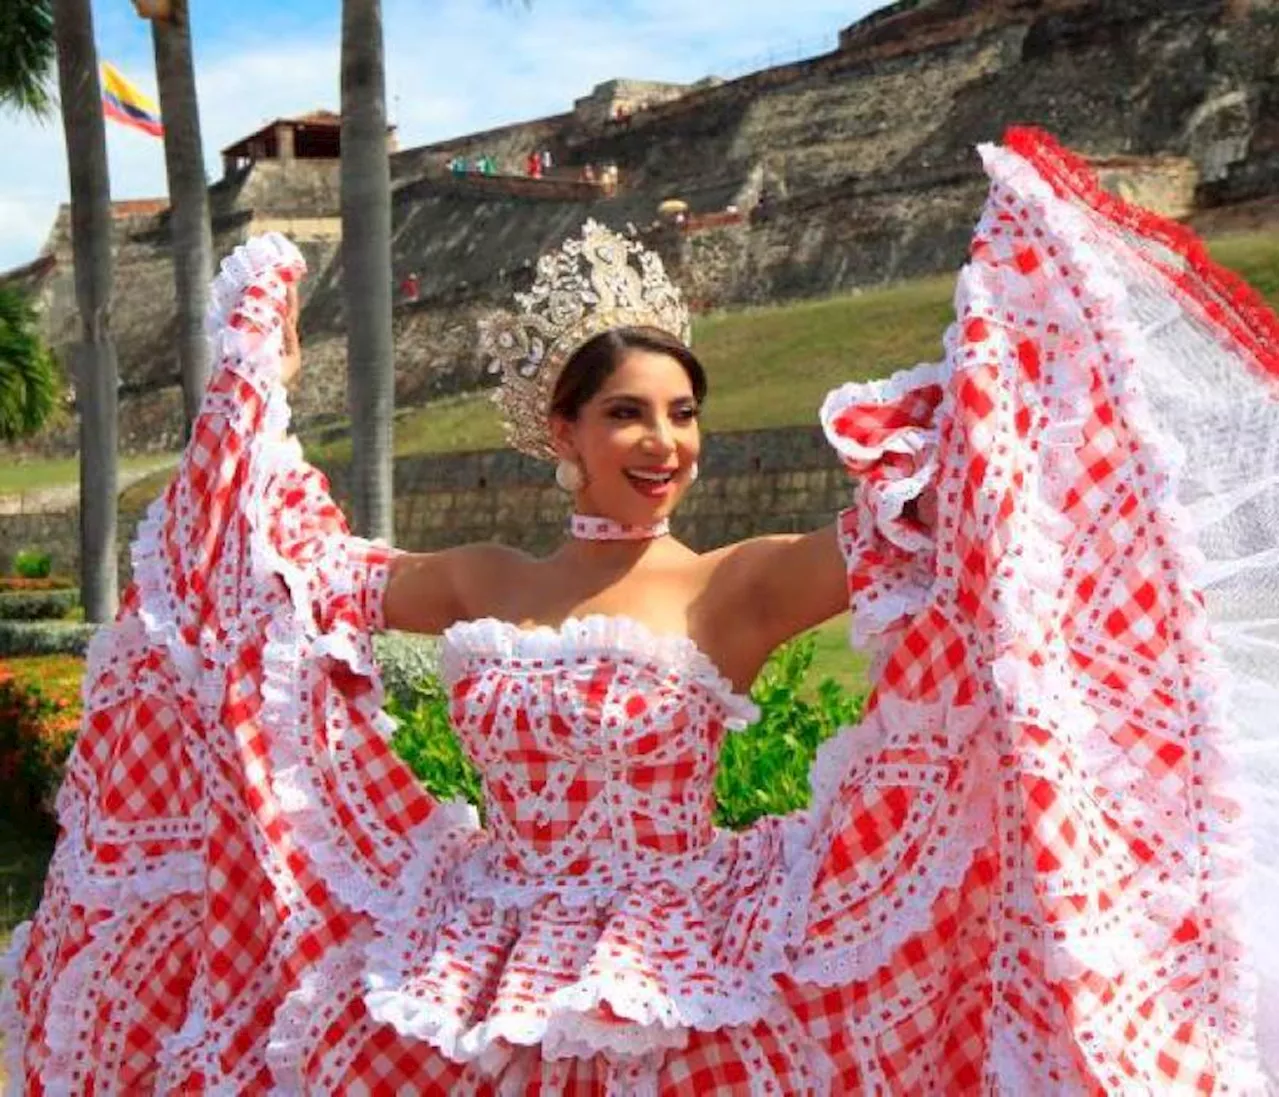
(123, 101)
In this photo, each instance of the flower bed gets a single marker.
(39, 718)
(46, 582)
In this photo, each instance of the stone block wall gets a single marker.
(751, 483)
(55, 532)
(508, 145)
(598, 108)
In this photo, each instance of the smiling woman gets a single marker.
(1019, 872)
(625, 408)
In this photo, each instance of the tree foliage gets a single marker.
(26, 55)
(29, 383)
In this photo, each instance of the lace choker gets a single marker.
(591, 527)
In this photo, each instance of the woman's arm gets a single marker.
(876, 558)
(785, 584)
(780, 585)
(429, 591)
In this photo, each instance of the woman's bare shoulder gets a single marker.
(485, 572)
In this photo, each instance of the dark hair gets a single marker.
(591, 365)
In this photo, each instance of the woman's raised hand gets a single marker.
(291, 364)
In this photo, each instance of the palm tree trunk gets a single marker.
(366, 263)
(189, 231)
(94, 356)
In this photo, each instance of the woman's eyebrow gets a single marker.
(632, 398)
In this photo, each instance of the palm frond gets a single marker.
(27, 56)
(29, 381)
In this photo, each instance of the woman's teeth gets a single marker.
(651, 483)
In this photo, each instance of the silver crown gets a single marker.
(591, 284)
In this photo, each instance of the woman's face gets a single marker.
(635, 440)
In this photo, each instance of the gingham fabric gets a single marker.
(1015, 876)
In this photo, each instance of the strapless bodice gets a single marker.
(597, 742)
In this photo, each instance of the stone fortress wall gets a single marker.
(847, 170)
(863, 158)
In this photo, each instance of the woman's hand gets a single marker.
(291, 364)
(923, 509)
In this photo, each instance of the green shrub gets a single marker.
(45, 637)
(32, 564)
(406, 660)
(30, 383)
(428, 745)
(764, 770)
(37, 605)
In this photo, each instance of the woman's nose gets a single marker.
(659, 438)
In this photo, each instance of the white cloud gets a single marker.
(453, 66)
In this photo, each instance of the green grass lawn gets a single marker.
(20, 476)
(833, 658)
(769, 367)
(1252, 255)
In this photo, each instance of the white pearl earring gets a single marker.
(568, 475)
(693, 472)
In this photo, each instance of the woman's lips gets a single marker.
(652, 483)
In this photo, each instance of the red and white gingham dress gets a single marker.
(1016, 875)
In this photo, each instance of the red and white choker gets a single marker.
(590, 527)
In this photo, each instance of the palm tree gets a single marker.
(94, 357)
(26, 56)
(31, 33)
(28, 379)
(366, 265)
(191, 242)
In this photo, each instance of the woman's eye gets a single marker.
(622, 413)
(686, 415)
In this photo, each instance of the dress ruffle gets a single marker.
(886, 435)
(1018, 873)
(593, 637)
(477, 963)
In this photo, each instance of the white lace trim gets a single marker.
(884, 501)
(257, 360)
(132, 880)
(257, 256)
(1025, 598)
(159, 613)
(592, 637)
(658, 1022)
(909, 586)
(12, 1029)
(852, 751)
(663, 1018)
(888, 390)
(286, 1046)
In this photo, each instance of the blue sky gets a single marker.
(453, 66)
